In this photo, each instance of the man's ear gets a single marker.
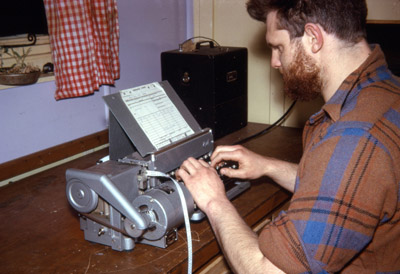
(314, 37)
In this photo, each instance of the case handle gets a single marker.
(198, 44)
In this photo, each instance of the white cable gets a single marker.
(153, 173)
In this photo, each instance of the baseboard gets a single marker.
(48, 156)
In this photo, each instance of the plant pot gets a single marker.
(17, 79)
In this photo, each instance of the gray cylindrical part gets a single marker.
(163, 206)
(81, 197)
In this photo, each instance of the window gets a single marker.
(23, 17)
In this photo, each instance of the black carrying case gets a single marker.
(212, 82)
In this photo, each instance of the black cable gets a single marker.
(284, 116)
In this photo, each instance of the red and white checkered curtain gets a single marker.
(84, 37)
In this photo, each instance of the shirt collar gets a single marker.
(334, 106)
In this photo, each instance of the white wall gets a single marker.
(383, 10)
(228, 23)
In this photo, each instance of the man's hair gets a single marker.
(344, 18)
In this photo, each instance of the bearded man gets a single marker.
(344, 215)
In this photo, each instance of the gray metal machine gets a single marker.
(120, 201)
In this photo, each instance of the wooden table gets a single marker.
(40, 231)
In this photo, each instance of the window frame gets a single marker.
(40, 54)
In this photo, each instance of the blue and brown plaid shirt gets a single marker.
(345, 211)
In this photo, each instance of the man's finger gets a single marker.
(225, 156)
(182, 174)
(194, 162)
(232, 173)
(204, 163)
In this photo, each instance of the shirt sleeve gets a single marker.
(345, 187)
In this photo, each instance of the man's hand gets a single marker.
(207, 189)
(251, 165)
(202, 181)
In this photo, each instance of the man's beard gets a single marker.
(302, 80)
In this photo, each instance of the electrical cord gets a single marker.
(153, 173)
(283, 117)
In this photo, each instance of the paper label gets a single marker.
(155, 113)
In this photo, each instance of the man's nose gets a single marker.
(275, 60)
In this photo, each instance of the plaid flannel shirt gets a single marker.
(345, 211)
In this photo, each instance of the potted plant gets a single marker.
(19, 73)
